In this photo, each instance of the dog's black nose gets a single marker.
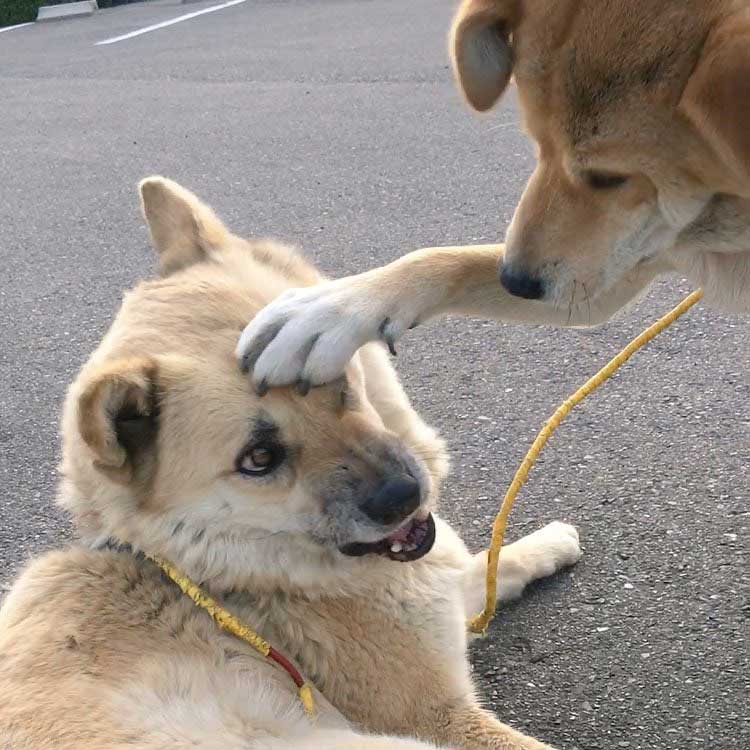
(521, 284)
(393, 501)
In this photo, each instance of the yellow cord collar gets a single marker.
(226, 620)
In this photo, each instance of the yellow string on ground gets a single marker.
(480, 623)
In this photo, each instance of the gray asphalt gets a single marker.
(335, 124)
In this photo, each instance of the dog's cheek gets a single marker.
(340, 496)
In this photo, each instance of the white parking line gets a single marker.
(17, 26)
(179, 19)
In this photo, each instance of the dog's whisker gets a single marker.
(588, 301)
(502, 125)
(570, 304)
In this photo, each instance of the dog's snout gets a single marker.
(393, 500)
(521, 283)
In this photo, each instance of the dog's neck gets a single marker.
(714, 252)
(225, 558)
(274, 568)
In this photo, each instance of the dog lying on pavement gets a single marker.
(640, 110)
(312, 519)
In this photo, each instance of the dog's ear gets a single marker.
(481, 48)
(118, 418)
(183, 229)
(717, 96)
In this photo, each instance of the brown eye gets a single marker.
(260, 459)
(604, 180)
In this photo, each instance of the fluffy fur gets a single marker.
(640, 110)
(101, 652)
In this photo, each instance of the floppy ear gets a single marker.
(717, 96)
(183, 229)
(481, 48)
(118, 418)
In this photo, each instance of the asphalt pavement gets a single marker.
(335, 124)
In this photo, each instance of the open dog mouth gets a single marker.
(408, 543)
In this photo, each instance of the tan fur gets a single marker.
(653, 91)
(101, 652)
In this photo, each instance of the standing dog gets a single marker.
(640, 110)
(309, 518)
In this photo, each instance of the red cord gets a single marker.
(286, 665)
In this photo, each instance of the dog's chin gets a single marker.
(409, 542)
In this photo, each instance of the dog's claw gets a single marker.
(253, 352)
(387, 336)
(262, 388)
(303, 386)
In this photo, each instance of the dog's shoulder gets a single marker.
(70, 586)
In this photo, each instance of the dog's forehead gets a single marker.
(185, 315)
(595, 58)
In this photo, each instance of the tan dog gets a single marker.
(311, 519)
(640, 110)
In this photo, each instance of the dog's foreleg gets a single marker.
(537, 555)
(345, 740)
(477, 291)
(472, 728)
(309, 335)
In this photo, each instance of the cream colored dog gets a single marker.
(640, 110)
(310, 518)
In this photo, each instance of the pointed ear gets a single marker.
(481, 49)
(717, 96)
(118, 418)
(183, 229)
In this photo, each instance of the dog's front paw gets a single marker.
(307, 336)
(551, 548)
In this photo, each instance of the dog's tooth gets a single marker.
(396, 547)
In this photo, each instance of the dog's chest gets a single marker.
(372, 656)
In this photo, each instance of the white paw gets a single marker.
(551, 548)
(307, 336)
(304, 335)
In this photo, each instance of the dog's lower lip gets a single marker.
(409, 543)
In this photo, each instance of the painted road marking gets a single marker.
(179, 19)
(17, 26)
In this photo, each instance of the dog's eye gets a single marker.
(604, 180)
(259, 459)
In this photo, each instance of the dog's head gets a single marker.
(640, 111)
(166, 445)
